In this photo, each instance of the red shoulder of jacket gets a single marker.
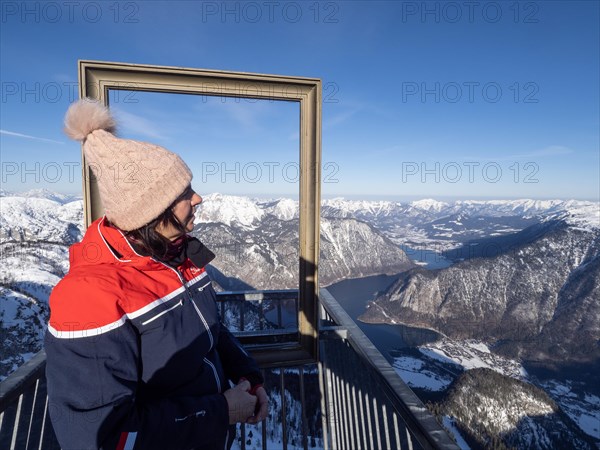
(104, 288)
(84, 305)
(93, 300)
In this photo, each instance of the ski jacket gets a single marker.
(136, 355)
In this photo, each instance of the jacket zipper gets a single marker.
(214, 369)
(201, 288)
(189, 296)
(210, 336)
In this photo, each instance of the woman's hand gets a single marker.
(240, 402)
(262, 406)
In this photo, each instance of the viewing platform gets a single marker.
(362, 402)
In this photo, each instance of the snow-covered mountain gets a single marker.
(256, 243)
(35, 235)
(42, 193)
(419, 222)
(433, 367)
(529, 418)
(539, 300)
(441, 226)
(40, 219)
(429, 208)
(266, 255)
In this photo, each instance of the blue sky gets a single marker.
(421, 99)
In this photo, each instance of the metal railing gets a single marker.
(24, 420)
(367, 404)
(350, 399)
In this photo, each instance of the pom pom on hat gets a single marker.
(85, 116)
(137, 181)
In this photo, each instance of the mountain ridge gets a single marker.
(519, 299)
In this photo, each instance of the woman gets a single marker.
(136, 355)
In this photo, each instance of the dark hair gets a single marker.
(147, 241)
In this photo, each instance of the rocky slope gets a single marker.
(537, 300)
(256, 243)
(508, 413)
(266, 257)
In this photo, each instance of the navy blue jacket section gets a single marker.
(154, 377)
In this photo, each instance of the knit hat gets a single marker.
(137, 181)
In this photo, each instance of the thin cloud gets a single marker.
(137, 124)
(27, 136)
(330, 122)
(251, 116)
(339, 118)
(248, 115)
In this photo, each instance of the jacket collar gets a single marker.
(103, 244)
(116, 242)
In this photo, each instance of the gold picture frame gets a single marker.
(98, 78)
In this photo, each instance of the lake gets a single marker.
(428, 259)
(354, 294)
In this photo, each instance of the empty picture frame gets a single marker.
(98, 78)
